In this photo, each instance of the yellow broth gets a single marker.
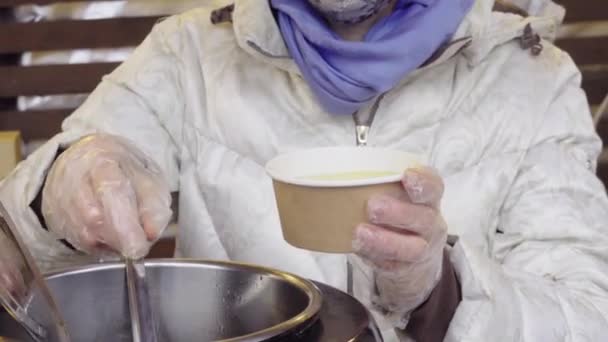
(353, 175)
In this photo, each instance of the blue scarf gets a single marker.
(346, 75)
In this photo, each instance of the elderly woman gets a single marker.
(213, 94)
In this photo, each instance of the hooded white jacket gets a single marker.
(510, 133)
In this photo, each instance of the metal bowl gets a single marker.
(192, 301)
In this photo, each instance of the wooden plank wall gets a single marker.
(18, 37)
(7, 59)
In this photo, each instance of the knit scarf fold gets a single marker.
(346, 75)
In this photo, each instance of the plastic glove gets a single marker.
(404, 243)
(103, 195)
(11, 265)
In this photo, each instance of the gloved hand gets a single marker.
(11, 266)
(105, 196)
(404, 242)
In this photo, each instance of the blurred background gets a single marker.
(53, 53)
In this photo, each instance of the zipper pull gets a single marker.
(362, 133)
(364, 124)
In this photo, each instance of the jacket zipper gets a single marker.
(363, 121)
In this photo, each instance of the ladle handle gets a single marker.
(142, 319)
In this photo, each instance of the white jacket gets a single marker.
(510, 133)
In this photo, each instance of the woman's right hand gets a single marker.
(104, 196)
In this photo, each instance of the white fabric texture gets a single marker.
(510, 133)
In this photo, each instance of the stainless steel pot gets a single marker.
(193, 301)
(204, 301)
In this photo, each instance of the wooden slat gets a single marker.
(74, 34)
(586, 50)
(583, 29)
(602, 167)
(585, 10)
(602, 131)
(602, 125)
(10, 3)
(595, 83)
(52, 79)
(164, 248)
(602, 173)
(34, 124)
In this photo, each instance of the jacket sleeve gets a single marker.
(140, 101)
(547, 279)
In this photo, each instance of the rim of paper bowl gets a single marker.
(292, 167)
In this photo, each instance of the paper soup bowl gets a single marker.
(322, 193)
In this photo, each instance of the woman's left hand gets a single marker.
(405, 241)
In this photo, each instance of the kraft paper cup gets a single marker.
(322, 214)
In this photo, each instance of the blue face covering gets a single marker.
(346, 75)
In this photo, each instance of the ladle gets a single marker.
(143, 325)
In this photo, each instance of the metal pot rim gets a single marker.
(311, 312)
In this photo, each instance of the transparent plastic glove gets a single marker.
(11, 265)
(105, 196)
(404, 242)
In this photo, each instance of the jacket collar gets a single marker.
(255, 25)
(258, 33)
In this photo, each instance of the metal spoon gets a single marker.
(143, 325)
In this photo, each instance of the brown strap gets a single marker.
(430, 321)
